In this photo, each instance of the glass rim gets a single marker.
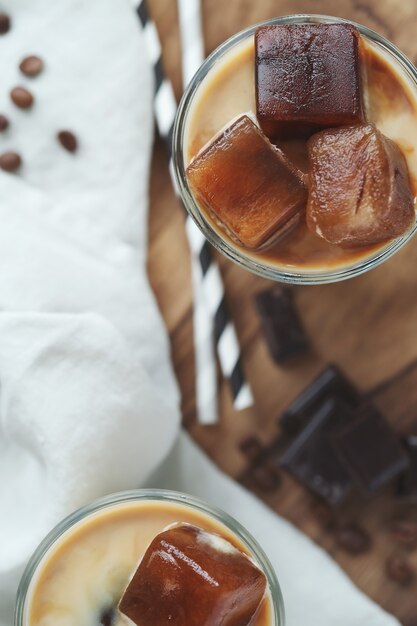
(276, 273)
(161, 495)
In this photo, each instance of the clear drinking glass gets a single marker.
(225, 246)
(69, 524)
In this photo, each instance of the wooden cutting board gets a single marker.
(367, 325)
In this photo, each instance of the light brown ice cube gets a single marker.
(359, 187)
(191, 577)
(308, 77)
(247, 185)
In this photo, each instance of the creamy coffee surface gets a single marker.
(228, 91)
(85, 574)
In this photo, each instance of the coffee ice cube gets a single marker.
(359, 187)
(191, 577)
(248, 185)
(308, 77)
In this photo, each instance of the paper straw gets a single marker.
(210, 281)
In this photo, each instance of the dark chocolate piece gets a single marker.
(331, 383)
(307, 77)
(370, 449)
(313, 461)
(4, 123)
(407, 484)
(281, 324)
(353, 539)
(4, 23)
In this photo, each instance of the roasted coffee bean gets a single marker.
(323, 513)
(399, 570)
(405, 532)
(22, 97)
(31, 65)
(68, 140)
(251, 447)
(4, 122)
(10, 161)
(4, 23)
(352, 539)
(264, 478)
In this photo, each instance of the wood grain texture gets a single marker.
(367, 325)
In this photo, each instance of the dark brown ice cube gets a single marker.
(359, 187)
(191, 577)
(248, 185)
(308, 77)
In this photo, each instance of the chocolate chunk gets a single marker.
(4, 23)
(4, 123)
(281, 324)
(311, 458)
(307, 77)
(331, 383)
(359, 187)
(10, 161)
(370, 449)
(404, 531)
(22, 97)
(31, 65)
(407, 484)
(68, 140)
(107, 616)
(250, 188)
(251, 447)
(399, 570)
(353, 539)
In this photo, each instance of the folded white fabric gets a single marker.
(88, 403)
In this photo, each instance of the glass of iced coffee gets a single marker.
(150, 558)
(295, 149)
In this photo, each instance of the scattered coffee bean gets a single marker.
(251, 447)
(405, 532)
(323, 513)
(352, 539)
(264, 478)
(10, 161)
(68, 140)
(31, 65)
(22, 97)
(4, 23)
(399, 570)
(4, 122)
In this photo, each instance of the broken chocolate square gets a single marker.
(308, 77)
(359, 187)
(331, 383)
(190, 577)
(248, 185)
(281, 324)
(311, 458)
(407, 484)
(370, 449)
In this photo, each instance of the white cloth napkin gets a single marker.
(88, 403)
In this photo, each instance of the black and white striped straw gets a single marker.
(211, 318)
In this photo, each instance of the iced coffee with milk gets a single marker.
(299, 147)
(150, 560)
